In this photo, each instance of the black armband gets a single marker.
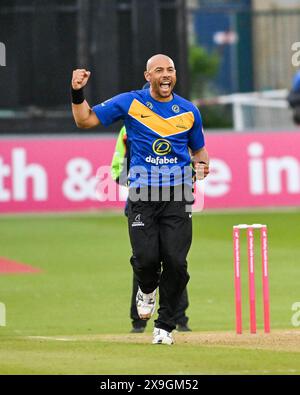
(77, 96)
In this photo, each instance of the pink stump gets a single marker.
(237, 280)
(265, 278)
(250, 237)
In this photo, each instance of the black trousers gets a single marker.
(180, 314)
(161, 231)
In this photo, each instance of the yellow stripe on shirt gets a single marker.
(163, 126)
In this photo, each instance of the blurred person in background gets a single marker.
(294, 98)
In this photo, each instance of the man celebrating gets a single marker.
(161, 127)
(118, 167)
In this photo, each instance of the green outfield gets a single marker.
(73, 317)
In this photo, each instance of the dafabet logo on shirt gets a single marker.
(161, 147)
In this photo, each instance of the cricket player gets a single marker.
(118, 166)
(161, 127)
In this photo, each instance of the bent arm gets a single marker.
(201, 155)
(200, 159)
(84, 116)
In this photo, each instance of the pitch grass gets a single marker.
(85, 284)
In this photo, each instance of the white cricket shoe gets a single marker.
(145, 304)
(160, 336)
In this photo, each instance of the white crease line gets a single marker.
(63, 339)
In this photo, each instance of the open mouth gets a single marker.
(165, 86)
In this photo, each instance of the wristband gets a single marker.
(77, 96)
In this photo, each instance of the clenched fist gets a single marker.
(80, 78)
(201, 170)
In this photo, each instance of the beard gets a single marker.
(162, 90)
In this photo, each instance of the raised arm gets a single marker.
(83, 115)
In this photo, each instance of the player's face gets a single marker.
(162, 78)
